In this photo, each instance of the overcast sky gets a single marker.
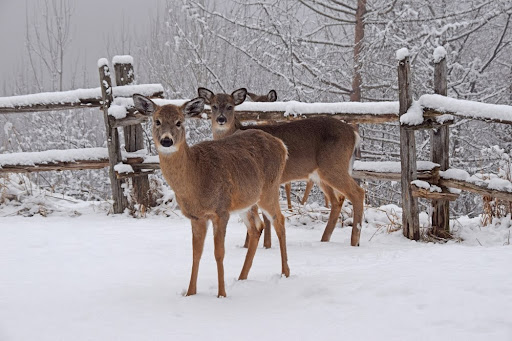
(92, 23)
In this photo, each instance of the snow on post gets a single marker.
(125, 59)
(102, 62)
(402, 53)
(439, 54)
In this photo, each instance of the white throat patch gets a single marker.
(167, 150)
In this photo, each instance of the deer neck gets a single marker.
(177, 168)
(220, 132)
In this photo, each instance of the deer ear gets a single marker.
(272, 96)
(206, 94)
(239, 95)
(144, 105)
(193, 107)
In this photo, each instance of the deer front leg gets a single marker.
(219, 235)
(198, 236)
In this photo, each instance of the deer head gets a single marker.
(270, 97)
(223, 107)
(168, 129)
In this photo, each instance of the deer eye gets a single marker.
(157, 122)
(215, 107)
(229, 107)
(178, 124)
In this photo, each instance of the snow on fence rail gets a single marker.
(61, 100)
(426, 179)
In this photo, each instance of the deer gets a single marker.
(272, 97)
(267, 237)
(319, 149)
(214, 179)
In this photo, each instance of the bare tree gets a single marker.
(47, 40)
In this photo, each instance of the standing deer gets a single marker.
(267, 237)
(272, 97)
(320, 149)
(215, 178)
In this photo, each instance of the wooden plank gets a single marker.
(55, 166)
(113, 145)
(439, 153)
(368, 175)
(433, 113)
(134, 141)
(427, 194)
(134, 175)
(429, 124)
(270, 117)
(410, 216)
(470, 187)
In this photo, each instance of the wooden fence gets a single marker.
(95, 158)
(408, 170)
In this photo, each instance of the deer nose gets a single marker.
(221, 120)
(166, 142)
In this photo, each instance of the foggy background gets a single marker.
(94, 24)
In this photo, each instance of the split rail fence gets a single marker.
(419, 179)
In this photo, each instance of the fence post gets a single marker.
(440, 147)
(114, 149)
(133, 134)
(410, 217)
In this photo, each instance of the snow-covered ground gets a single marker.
(80, 274)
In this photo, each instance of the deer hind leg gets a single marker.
(271, 209)
(309, 186)
(288, 190)
(336, 205)
(346, 185)
(219, 235)
(198, 236)
(254, 230)
(252, 217)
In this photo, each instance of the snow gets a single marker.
(414, 114)
(54, 155)
(490, 181)
(123, 168)
(454, 174)
(465, 108)
(500, 184)
(426, 185)
(142, 89)
(62, 155)
(459, 107)
(126, 59)
(128, 102)
(102, 62)
(294, 108)
(84, 275)
(117, 111)
(402, 53)
(439, 54)
(75, 96)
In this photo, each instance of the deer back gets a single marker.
(225, 175)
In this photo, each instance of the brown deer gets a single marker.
(320, 149)
(213, 179)
(272, 97)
